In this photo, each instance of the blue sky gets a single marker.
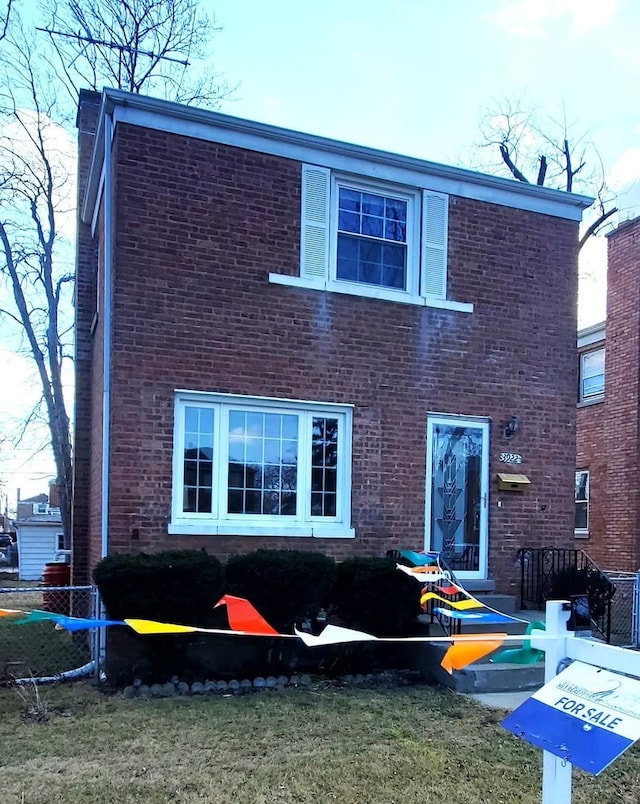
(416, 77)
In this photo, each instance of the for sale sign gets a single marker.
(585, 715)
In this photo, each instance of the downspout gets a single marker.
(106, 348)
(100, 646)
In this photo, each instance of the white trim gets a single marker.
(475, 422)
(371, 292)
(219, 521)
(411, 244)
(241, 530)
(225, 129)
(589, 336)
(263, 401)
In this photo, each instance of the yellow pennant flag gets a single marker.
(153, 627)
(460, 605)
(464, 651)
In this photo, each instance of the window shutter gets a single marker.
(314, 245)
(434, 244)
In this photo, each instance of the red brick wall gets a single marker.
(608, 432)
(85, 294)
(199, 228)
(621, 395)
(591, 455)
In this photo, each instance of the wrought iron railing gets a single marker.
(548, 572)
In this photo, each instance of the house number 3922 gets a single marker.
(510, 457)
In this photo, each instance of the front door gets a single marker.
(457, 485)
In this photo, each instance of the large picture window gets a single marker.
(244, 465)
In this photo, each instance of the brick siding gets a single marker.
(199, 226)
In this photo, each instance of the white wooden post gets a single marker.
(556, 772)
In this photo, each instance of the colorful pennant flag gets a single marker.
(152, 627)
(419, 559)
(244, 617)
(460, 605)
(464, 651)
(334, 634)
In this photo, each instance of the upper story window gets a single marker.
(373, 237)
(257, 466)
(366, 237)
(592, 374)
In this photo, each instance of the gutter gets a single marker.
(222, 128)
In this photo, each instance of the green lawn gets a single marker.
(411, 744)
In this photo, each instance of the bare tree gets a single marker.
(4, 20)
(545, 153)
(156, 47)
(34, 194)
(138, 45)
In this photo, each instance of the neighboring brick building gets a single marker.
(608, 425)
(307, 344)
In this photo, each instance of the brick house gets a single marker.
(607, 520)
(289, 341)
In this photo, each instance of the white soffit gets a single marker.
(228, 130)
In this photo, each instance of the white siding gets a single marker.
(36, 547)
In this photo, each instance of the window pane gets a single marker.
(197, 460)
(396, 210)
(582, 500)
(324, 459)
(349, 222)
(592, 373)
(350, 199)
(266, 469)
(374, 227)
(235, 502)
(373, 204)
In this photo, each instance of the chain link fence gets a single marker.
(623, 618)
(37, 648)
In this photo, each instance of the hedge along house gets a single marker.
(287, 341)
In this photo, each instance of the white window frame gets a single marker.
(412, 243)
(582, 532)
(427, 245)
(219, 521)
(598, 395)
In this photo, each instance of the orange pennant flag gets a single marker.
(244, 617)
(464, 651)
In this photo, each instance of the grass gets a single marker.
(37, 648)
(397, 746)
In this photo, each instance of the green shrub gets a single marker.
(285, 586)
(179, 586)
(370, 594)
(573, 581)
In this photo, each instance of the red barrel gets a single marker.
(56, 573)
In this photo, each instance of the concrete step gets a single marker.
(482, 677)
(507, 604)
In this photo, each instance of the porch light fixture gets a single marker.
(513, 425)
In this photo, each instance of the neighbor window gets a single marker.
(582, 502)
(261, 466)
(591, 374)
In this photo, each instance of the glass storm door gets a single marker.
(456, 495)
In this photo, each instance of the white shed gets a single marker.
(40, 538)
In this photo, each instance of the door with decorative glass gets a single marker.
(456, 494)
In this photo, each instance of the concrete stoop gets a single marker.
(482, 677)
(485, 676)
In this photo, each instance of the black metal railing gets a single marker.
(557, 572)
